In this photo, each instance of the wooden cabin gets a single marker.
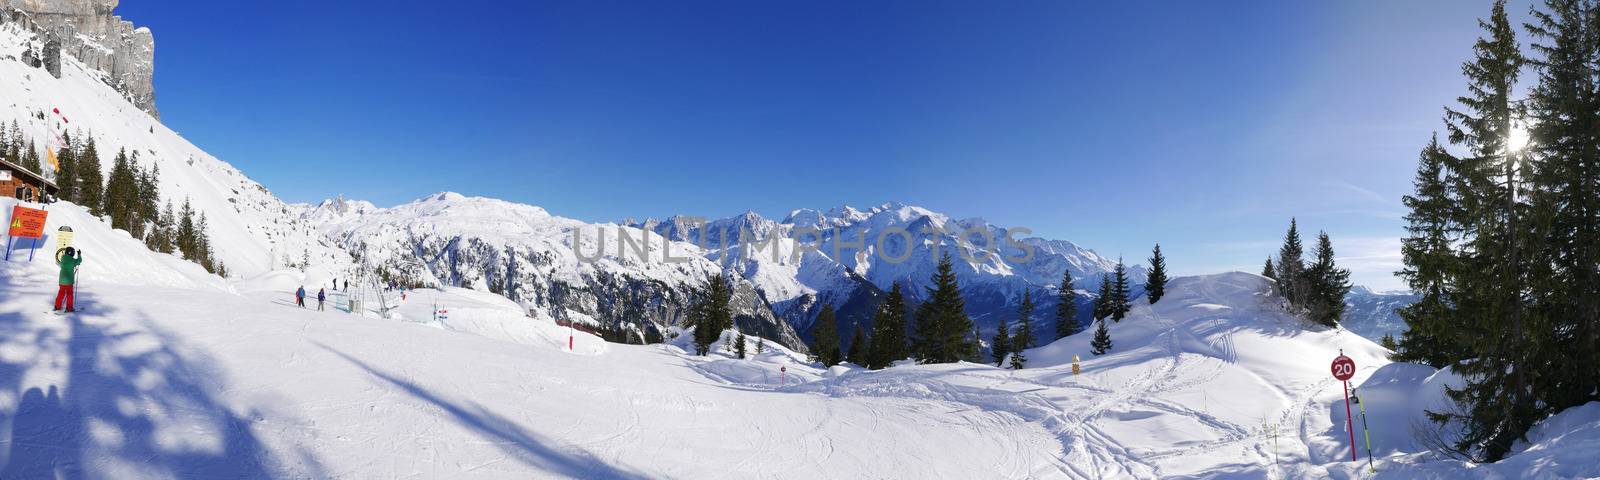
(17, 182)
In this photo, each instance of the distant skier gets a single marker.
(346, 284)
(335, 284)
(300, 296)
(69, 276)
(321, 295)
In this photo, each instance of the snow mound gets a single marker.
(110, 256)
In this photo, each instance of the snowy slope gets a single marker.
(526, 254)
(227, 386)
(253, 231)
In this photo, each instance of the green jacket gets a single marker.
(69, 269)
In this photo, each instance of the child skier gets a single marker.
(300, 296)
(69, 276)
(321, 295)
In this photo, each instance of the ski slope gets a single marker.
(175, 374)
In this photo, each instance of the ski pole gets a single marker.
(1364, 431)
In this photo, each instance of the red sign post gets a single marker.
(1343, 369)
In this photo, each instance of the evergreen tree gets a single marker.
(889, 331)
(1500, 404)
(1024, 338)
(739, 346)
(1327, 285)
(1121, 302)
(1102, 301)
(825, 337)
(30, 158)
(1102, 338)
(185, 233)
(710, 313)
(1388, 342)
(1018, 360)
(1267, 271)
(1156, 283)
(91, 187)
(1564, 153)
(203, 244)
(121, 196)
(67, 174)
(944, 330)
(1066, 307)
(1291, 268)
(149, 194)
(1430, 264)
(1001, 344)
(858, 347)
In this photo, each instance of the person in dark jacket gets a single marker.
(321, 295)
(300, 296)
(69, 277)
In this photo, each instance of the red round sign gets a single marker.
(1344, 368)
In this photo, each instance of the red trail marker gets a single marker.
(1343, 369)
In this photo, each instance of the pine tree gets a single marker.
(1327, 285)
(67, 174)
(1156, 283)
(149, 194)
(1388, 343)
(185, 232)
(203, 244)
(1267, 270)
(1430, 264)
(825, 337)
(1102, 338)
(858, 347)
(1492, 299)
(91, 187)
(739, 346)
(121, 195)
(1066, 307)
(1102, 301)
(30, 158)
(710, 313)
(1121, 301)
(944, 330)
(1291, 267)
(889, 331)
(1001, 345)
(1024, 338)
(1018, 360)
(695, 316)
(1564, 107)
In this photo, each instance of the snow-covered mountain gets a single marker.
(1372, 314)
(617, 276)
(847, 257)
(253, 231)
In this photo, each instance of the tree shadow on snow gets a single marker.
(527, 447)
(134, 404)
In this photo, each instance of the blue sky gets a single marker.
(1202, 125)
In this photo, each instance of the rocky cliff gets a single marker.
(88, 31)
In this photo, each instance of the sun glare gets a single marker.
(1518, 139)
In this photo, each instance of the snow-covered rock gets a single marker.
(1372, 314)
(848, 257)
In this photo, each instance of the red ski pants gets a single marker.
(64, 293)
